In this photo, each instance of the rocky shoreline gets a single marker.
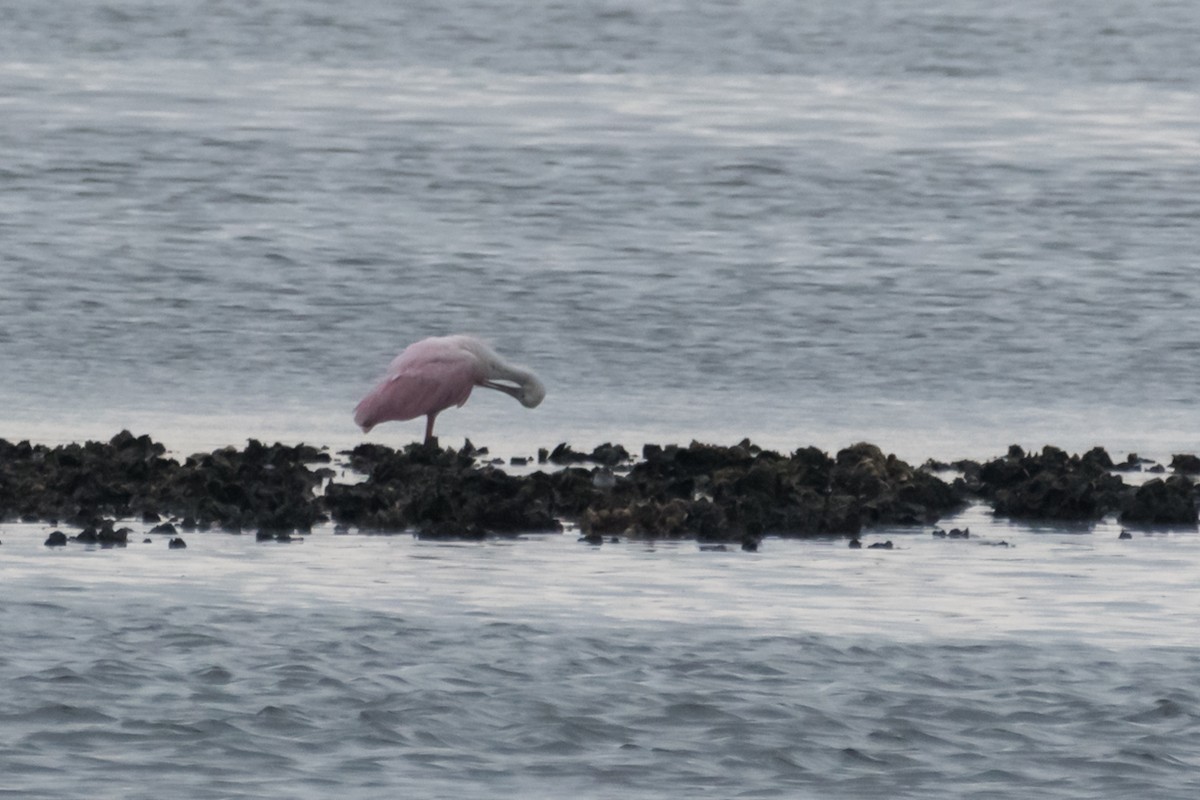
(714, 494)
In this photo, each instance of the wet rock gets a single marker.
(856, 544)
(442, 494)
(177, 544)
(129, 477)
(165, 528)
(609, 455)
(1132, 463)
(56, 539)
(1051, 485)
(1186, 463)
(1125, 535)
(563, 454)
(1162, 502)
(594, 539)
(742, 492)
(881, 545)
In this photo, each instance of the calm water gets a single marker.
(940, 226)
(1062, 666)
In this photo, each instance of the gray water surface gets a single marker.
(941, 226)
(1062, 665)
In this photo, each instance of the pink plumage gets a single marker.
(436, 373)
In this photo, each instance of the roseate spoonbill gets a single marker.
(435, 373)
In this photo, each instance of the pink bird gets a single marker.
(435, 373)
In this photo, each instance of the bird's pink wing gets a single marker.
(417, 384)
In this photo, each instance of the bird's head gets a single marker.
(525, 387)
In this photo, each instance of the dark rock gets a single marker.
(880, 545)
(563, 454)
(1162, 502)
(1051, 485)
(166, 528)
(176, 544)
(1131, 463)
(733, 493)
(956, 533)
(1185, 463)
(442, 494)
(856, 544)
(56, 539)
(594, 539)
(147, 541)
(1125, 535)
(518, 461)
(609, 455)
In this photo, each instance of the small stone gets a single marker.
(177, 544)
(166, 529)
(1125, 535)
(855, 544)
(56, 539)
(881, 545)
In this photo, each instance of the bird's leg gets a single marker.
(430, 439)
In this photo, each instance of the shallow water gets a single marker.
(1062, 665)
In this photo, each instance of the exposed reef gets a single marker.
(711, 493)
